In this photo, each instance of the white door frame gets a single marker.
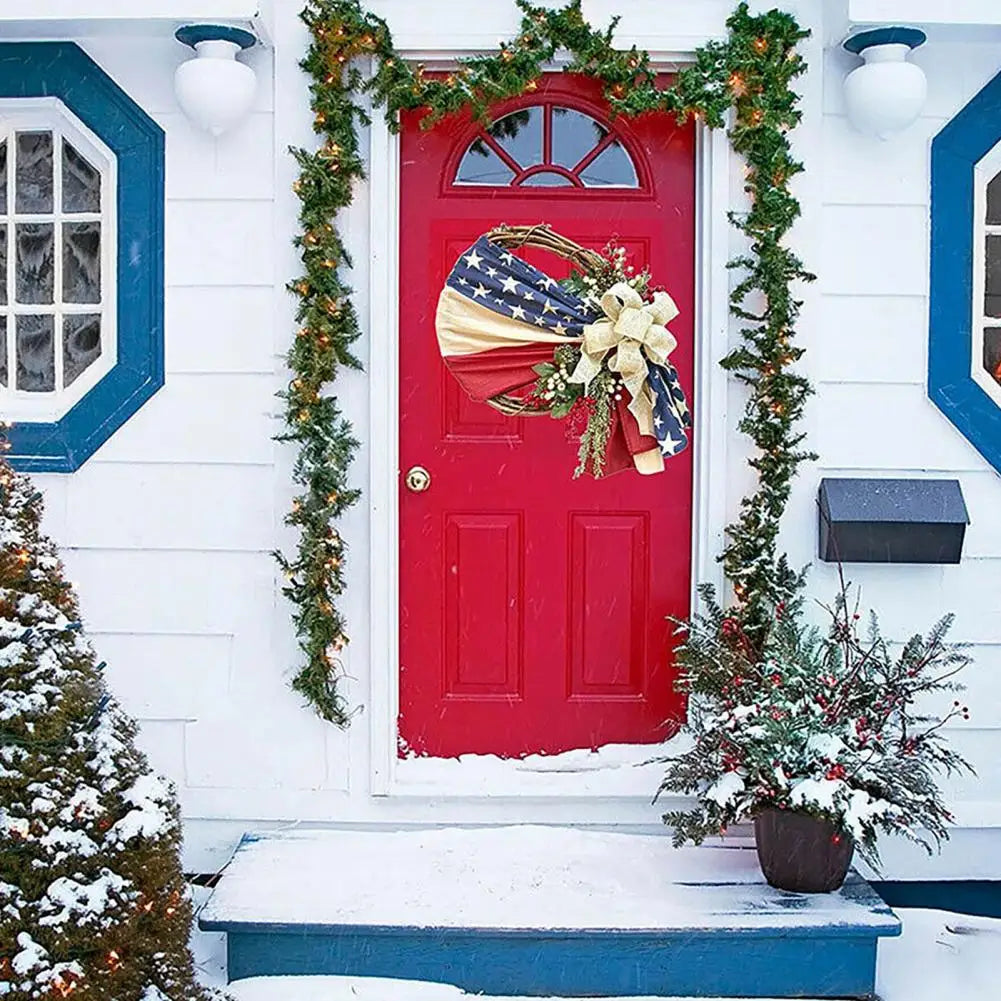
(712, 250)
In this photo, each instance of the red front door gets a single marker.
(533, 606)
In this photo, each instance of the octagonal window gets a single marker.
(81, 255)
(964, 310)
(57, 253)
(986, 353)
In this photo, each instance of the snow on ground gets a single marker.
(940, 957)
(207, 947)
(371, 989)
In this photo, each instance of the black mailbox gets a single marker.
(891, 521)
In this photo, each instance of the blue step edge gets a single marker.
(831, 961)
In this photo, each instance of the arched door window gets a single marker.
(548, 146)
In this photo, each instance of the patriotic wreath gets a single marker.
(592, 349)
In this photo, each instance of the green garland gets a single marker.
(751, 73)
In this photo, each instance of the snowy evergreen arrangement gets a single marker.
(831, 724)
(93, 902)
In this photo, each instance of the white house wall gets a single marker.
(168, 528)
(872, 417)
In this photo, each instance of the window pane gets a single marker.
(81, 182)
(82, 262)
(992, 286)
(611, 167)
(520, 135)
(994, 201)
(36, 360)
(3, 350)
(992, 351)
(35, 268)
(574, 136)
(81, 345)
(34, 172)
(547, 179)
(3, 265)
(481, 165)
(3, 177)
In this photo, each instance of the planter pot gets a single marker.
(801, 853)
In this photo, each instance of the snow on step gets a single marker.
(510, 878)
(541, 912)
(365, 989)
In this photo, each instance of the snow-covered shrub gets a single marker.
(834, 724)
(93, 902)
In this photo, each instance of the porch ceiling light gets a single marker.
(887, 92)
(214, 89)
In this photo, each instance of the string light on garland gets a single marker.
(751, 71)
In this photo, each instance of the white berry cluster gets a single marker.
(554, 385)
(616, 271)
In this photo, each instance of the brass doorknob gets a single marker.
(418, 479)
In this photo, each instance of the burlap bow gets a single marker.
(635, 331)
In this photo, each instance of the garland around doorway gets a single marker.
(748, 79)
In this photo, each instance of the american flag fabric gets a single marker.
(498, 316)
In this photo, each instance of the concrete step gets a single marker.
(540, 912)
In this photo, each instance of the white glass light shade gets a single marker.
(214, 90)
(887, 92)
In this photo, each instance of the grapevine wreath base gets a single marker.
(592, 348)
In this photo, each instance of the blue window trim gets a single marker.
(954, 154)
(64, 70)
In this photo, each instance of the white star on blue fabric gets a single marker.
(473, 259)
(669, 446)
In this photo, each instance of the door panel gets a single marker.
(533, 606)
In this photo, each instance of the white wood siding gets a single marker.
(871, 416)
(168, 528)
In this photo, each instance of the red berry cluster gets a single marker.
(580, 413)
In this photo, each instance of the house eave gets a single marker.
(56, 19)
